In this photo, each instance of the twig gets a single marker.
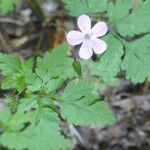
(75, 133)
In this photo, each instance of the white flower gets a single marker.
(88, 36)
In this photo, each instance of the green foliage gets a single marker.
(42, 132)
(109, 64)
(125, 19)
(5, 115)
(49, 73)
(132, 21)
(31, 121)
(78, 7)
(137, 22)
(137, 58)
(80, 106)
(128, 21)
(7, 5)
(11, 68)
(119, 10)
(28, 103)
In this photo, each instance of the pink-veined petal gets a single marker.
(75, 37)
(99, 29)
(98, 45)
(86, 51)
(84, 23)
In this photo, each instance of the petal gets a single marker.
(85, 51)
(84, 23)
(75, 37)
(98, 45)
(99, 29)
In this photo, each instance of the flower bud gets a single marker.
(77, 67)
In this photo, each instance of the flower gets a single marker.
(88, 37)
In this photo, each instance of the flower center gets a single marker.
(87, 36)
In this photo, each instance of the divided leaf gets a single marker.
(109, 65)
(33, 83)
(78, 7)
(133, 23)
(79, 106)
(136, 61)
(11, 68)
(51, 70)
(9, 64)
(43, 129)
(137, 22)
(28, 103)
(119, 10)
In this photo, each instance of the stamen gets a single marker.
(87, 36)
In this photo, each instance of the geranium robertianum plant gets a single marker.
(30, 119)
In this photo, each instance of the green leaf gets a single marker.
(12, 122)
(52, 65)
(42, 133)
(136, 22)
(78, 7)
(9, 64)
(79, 106)
(28, 103)
(119, 10)
(11, 68)
(5, 115)
(48, 139)
(109, 65)
(16, 122)
(16, 81)
(52, 70)
(136, 61)
(33, 83)
(132, 21)
(7, 5)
